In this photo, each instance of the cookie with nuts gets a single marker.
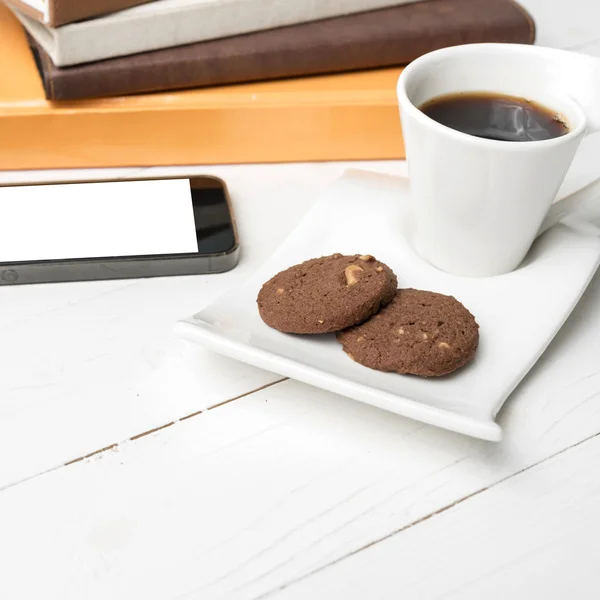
(418, 333)
(326, 294)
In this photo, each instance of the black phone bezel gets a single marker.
(128, 267)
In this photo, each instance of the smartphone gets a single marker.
(116, 230)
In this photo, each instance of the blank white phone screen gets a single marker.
(91, 220)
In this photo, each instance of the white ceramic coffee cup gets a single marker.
(479, 204)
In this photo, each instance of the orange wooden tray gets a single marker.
(340, 117)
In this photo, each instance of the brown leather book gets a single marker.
(381, 38)
(61, 12)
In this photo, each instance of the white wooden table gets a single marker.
(134, 465)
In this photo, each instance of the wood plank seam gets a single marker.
(425, 518)
(113, 447)
(167, 425)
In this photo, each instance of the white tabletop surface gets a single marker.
(135, 465)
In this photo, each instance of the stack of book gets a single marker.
(138, 83)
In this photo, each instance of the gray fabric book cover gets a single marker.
(170, 23)
(382, 38)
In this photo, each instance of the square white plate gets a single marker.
(366, 213)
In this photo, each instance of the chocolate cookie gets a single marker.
(418, 333)
(326, 294)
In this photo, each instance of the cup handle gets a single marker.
(585, 201)
(580, 74)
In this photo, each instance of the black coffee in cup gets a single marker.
(496, 117)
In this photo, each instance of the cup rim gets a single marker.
(406, 105)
